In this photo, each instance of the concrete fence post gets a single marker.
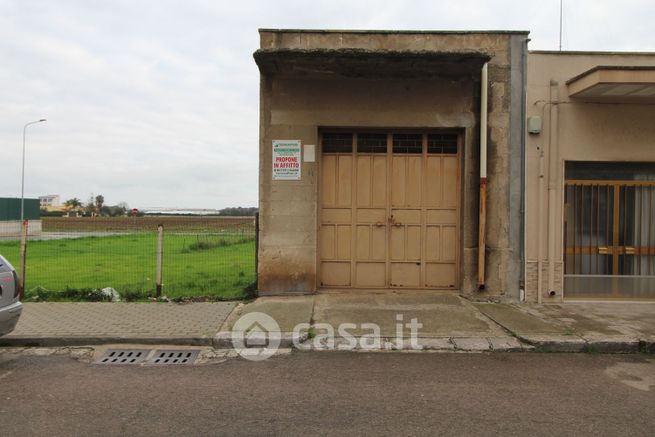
(256, 247)
(160, 257)
(23, 258)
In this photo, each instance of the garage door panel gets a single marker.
(333, 215)
(363, 242)
(441, 216)
(364, 185)
(370, 274)
(397, 243)
(378, 243)
(344, 181)
(449, 247)
(433, 181)
(433, 243)
(344, 241)
(414, 177)
(413, 243)
(440, 275)
(371, 243)
(371, 216)
(327, 242)
(335, 274)
(398, 181)
(371, 181)
(328, 180)
(405, 274)
(406, 216)
(450, 192)
(379, 190)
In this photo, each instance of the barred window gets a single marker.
(407, 143)
(442, 143)
(337, 142)
(371, 143)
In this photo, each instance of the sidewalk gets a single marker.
(449, 322)
(576, 327)
(72, 324)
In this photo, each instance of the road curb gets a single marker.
(544, 343)
(289, 340)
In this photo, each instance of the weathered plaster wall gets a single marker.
(296, 107)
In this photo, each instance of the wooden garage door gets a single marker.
(389, 210)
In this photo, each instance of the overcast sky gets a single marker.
(155, 103)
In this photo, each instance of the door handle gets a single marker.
(603, 250)
(629, 250)
(379, 224)
(396, 224)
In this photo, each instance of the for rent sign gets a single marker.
(286, 160)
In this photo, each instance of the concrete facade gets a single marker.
(620, 129)
(349, 79)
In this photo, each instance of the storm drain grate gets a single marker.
(169, 356)
(124, 356)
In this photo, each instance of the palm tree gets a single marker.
(72, 205)
(100, 202)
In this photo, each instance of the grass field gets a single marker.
(149, 223)
(213, 265)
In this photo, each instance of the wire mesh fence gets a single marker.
(202, 257)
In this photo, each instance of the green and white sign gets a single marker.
(286, 160)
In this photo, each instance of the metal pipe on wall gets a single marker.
(483, 177)
(553, 151)
(540, 209)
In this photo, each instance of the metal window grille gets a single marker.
(337, 142)
(408, 143)
(442, 143)
(371, 143)
(609, 228)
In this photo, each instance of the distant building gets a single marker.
(50, 202)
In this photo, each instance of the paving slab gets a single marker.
(518, 321)
(441, 315)
(574, 327)
(88, 323)
(287, 311)
(632, 319)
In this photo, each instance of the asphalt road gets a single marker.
(331, 393)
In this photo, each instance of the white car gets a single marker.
(10, 306)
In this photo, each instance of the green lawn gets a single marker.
(220, 266)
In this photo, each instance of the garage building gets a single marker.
(391, 161)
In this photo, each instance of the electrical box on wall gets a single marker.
(534, 124)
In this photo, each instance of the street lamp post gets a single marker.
(22, 184)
